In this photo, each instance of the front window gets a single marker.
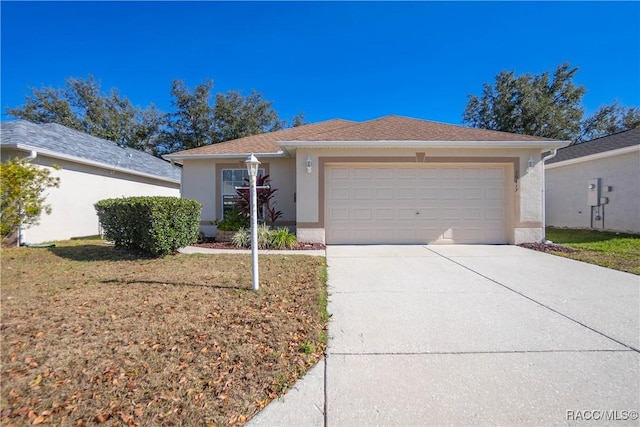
(232, 178)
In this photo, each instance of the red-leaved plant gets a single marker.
(266, 211)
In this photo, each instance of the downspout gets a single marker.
(32, 155)
(544, 186)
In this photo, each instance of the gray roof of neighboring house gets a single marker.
(618, 140)
(57, 139)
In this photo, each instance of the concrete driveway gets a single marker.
(471, 335)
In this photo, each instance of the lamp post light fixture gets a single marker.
(252, 167)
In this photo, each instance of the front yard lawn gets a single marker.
(92, 335)
(619, 251)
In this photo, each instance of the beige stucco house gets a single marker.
(91, 169)
(390, 180)
(596, 184)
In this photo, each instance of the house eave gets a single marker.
(80, 160)
(596, 156)
(291, 146)
(178, 158)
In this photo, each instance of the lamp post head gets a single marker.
(252, 165)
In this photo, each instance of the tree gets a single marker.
(191, 124)
(236, 116)
(82, 106)
(537, 105)
(609, 119)
(194, 122)
(23, 201)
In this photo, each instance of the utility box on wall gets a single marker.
(593, 192)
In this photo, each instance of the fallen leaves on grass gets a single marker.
(119, 340)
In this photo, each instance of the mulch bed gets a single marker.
(546, 247)
(300, 246)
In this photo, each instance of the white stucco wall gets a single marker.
(81, 186)
(566, 191)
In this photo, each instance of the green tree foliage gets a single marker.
(237, 116)
(544, 105)
(81, 105)
(609, 119)
(539, 105)
(23, 198)
(195, 120)
(191, 124)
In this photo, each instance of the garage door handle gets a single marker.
(417, 213)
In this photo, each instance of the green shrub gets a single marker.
(282, 238)
(241, 238)
(233, 220)
(264, 236)
(156, 225)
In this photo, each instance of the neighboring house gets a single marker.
(91, 169)
(390, 180)
(596, 184)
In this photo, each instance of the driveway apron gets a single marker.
(478, 335)
(470, 335)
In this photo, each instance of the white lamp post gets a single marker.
(252, 166)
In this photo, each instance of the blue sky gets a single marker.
(351, 60)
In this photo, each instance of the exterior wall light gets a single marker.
(309, 164)
(531, 163)
(252, 167)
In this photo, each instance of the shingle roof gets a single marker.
(388, 128)
(69, 142)
(600, 145)
(396, 128)
(267, 142)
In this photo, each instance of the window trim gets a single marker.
(218, 193)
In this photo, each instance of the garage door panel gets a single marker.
(382, 214)
(339, 214)
(363, 214)
(360, 193)
(337, 173)
(406, 214)
(472, 214)
(406, 193)
(494, 214)
(383, 193)
(472, 173)
(494, 173)
(338, 193)
(415, 204)
(494, 194)
(427, 193)
(383, 173)
(448, 214)
(450, 173)
(472, 193)
(406, 173)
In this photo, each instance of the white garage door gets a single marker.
(373, 204)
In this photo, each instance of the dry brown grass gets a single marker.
(93, 335)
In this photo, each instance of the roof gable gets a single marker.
(618, 140)
(388, 129)
(397, 128)
(70, 143)
(264, 143)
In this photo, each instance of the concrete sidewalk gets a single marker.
(198, 250)
(471, 335)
